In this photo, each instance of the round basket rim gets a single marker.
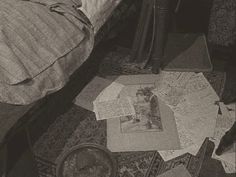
(88, 145)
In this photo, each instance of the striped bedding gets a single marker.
(98, 11)
(48, 73)
(34, 37)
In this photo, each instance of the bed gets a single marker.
(23, 100)
(47, 70)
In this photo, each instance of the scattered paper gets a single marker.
(113, 108)
(98, 89)
(196, 126)
(224, 122)
(178, 171)
(152, 127)
(188, 94)
(192, 99)
(171, 86)
(228, 167)
(120, 141)
(171, 154)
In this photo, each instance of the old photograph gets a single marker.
(147, 84)
(147, 114)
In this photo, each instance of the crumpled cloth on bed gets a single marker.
(34, 36)
(67, 8)
(41, 45)
(98, 11)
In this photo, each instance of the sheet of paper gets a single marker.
(171, 154)
(174, 78)
(174, 86)
(228, 156)
(197, 108)
(190, 136)
(178, 171)
(190, 143)
(193, 102)
(195, 122)
(98, 89)
(113, 108)
(228, 167)
(171, 86)
(198, 125)
(223, 123)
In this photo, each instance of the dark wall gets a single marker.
(192, 16)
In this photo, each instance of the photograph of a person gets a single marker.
(147, 114)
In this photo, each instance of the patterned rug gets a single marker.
(117, 62)
(222, 26)
(80, 126)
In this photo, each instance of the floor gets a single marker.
(124, 36)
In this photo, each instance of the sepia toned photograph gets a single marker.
(147, 114)
(152, 81)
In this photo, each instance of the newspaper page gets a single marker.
(99, 89)
(113, 108)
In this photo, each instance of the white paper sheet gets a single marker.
(223, 124)
(193, 102)
(197, 124)
(98, 89)
(113, 108)
(171, 86)
(171, 154)
(228, 167)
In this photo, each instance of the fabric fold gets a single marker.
(34, 34)
(67, 8)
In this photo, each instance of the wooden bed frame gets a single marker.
(38, 116)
